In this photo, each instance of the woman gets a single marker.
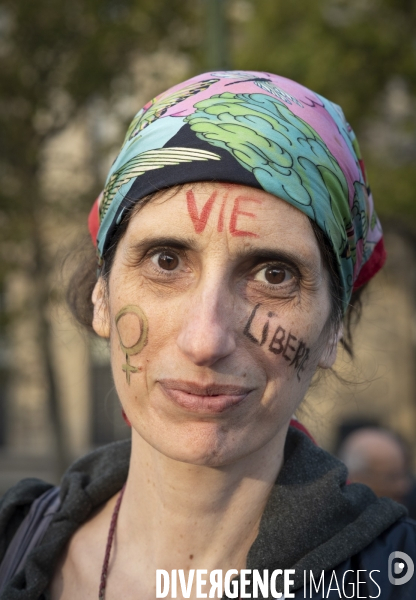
(235, 229)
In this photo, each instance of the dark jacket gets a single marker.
(331, 534)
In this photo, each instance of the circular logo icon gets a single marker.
(397, 572)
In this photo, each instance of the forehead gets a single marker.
(239, 214)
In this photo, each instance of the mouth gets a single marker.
(208, 399)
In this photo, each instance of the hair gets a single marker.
(84, 278)
(355, 306)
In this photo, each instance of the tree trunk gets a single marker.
(46, 350)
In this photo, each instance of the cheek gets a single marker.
(138, 335)
(282, 344)
(129, 337)
(132, 328)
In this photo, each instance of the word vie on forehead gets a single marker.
(280, 341)
(200, 219)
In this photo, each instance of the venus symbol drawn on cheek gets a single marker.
(126, 322)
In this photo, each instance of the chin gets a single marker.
(202, 443)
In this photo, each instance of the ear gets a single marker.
(329, 354)
(101, 316)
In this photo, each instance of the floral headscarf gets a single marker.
(255, 129)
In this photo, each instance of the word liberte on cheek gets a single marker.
(200, 220)
(280, 342)
(138, 346)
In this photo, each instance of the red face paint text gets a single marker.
(200, 218)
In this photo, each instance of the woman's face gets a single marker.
(217, 314)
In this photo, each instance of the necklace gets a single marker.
(110, 537)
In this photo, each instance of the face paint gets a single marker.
(281, 342)
(204, 340)
(138, 346)
(200, 220)
(237, 211)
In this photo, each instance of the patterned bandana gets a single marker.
(255, 129)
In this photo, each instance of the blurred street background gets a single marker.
(72, 76)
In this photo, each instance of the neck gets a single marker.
(183, 516)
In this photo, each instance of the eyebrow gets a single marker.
(151, 241)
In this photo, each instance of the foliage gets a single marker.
(354, 52)
(56, 58)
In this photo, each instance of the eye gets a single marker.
(274, 275)
(168, 261)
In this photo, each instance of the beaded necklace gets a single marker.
(110, 537)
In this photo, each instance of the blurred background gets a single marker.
(72, 76)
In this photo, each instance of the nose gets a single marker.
(207, 334)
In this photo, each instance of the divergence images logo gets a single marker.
(397, 573)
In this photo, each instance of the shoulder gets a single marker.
(89, 482)
(385, 567)
(401, 536)
(15, 505)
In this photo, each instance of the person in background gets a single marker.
(378, 458)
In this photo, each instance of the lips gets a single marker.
(211, 398)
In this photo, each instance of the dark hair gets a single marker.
(84, 278)
(355, 306)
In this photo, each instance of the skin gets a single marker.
(202, 467)
(377, 459)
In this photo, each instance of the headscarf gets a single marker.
(255, 129)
